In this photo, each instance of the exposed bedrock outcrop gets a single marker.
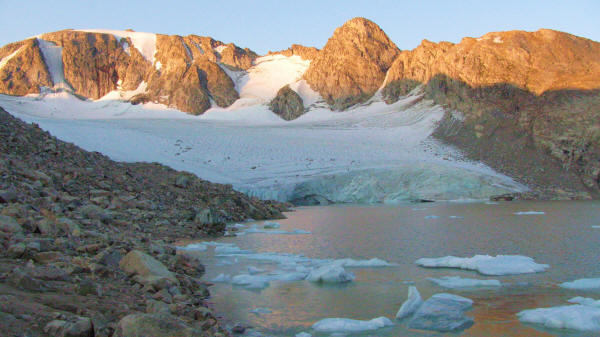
(526, 103)
(352, 65)
(287, 104)
(22, 68)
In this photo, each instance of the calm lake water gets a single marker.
(563, 237)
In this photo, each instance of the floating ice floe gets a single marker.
(330, 273)
(254, 230)
(199, 247)
(261, 311)
(486, 264)
(251, 281)
(456, 217)
(347, 325)
(584, 316)
(529, 213)
(582, 284)
(596, 227)
(374, 262)
(303, 334)
(222, 278)
(253, 270)
(454, 282)
(443, 312)
(431, 217)
(271, 225)
(411, 305)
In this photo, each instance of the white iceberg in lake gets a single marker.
(529, 213)
(582, 284)
(330, 273)
(222, 278)
(443, 312)
(411, 305)
(456, 282)
(253, 270)
(486, 264)
(351, 263)
(303, 334)
(585, 301)
(261, 311)
(251, 281)
(347, 325)
(271, 225)
(198, 247)
(584, 316)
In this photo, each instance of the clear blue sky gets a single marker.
(276, 24)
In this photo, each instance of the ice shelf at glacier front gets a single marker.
(486, 264)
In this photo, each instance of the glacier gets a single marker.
(371, 153)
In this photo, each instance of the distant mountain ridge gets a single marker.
(531, 93)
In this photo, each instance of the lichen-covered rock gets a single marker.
(352, 65)
(287, 104)
(22, 68)
(147, 270)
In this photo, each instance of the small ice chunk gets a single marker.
(347, 325)
(261, 311)
(253, 270)
(251, 281)
(237, 225)
(529, 213)
(303, 334)
(271, 225)
(454, 282)
(585, 301)
(596, 227)
(256, 230)
(431, 217)
(576, 317)
(456, 217)
(374, 262)
(411, 305)
(330, 273)
(443, 312)
(222, 278)
(582, 284)
(230, 250)
(198, 247)
(486, 264)
(288, 277)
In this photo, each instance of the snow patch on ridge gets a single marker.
(5, 60)
(53, 58)
(144, 42)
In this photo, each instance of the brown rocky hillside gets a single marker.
(528, 103)
(186, 74)
(353, 64)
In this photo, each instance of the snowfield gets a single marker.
(372, 153)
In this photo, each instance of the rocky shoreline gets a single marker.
(88, 244)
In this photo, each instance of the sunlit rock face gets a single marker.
(353, 64)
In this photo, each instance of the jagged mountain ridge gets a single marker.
(536, 91)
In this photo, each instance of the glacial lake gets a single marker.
(562, 237)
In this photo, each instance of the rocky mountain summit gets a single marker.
(353, 64)
(531, 92)
(88, 245)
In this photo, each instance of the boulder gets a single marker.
(77, 327)
(352, 65)
(146, 270)
(287, 104)
(8, 224)
(155, 325)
